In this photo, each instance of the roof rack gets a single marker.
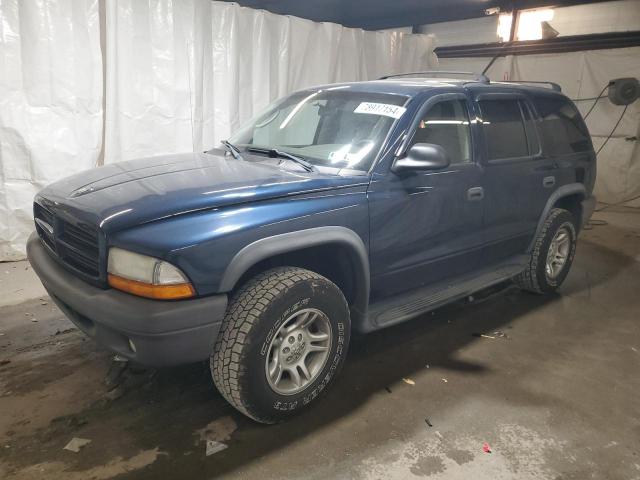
(553, 85)
(432, 73)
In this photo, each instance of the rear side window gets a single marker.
(562, 128)
(533, 140)
(504, 129)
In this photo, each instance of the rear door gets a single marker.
(426, 225)
(518, 177)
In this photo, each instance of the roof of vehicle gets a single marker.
(410, 86)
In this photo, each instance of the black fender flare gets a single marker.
(563, 191)
(267, 247)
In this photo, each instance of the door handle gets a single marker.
(475, 194)
(548, 182)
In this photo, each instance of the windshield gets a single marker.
(333, 127)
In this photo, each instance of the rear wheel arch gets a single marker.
(538, 276)
(570, 195)
(309, 249)
(572, 203)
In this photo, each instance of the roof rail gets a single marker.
(553, 85)
(432, 73)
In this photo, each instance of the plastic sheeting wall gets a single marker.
(180, 75)
(50, 104)
(582, 75)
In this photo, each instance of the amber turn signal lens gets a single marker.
(157, 292)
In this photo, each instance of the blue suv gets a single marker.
(341, 208)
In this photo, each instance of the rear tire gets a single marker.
(552, 254)
(282, 342)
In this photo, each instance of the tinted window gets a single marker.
(503, 129)
(533, 141)
(562, 128)
(447, 124)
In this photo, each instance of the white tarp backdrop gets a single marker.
(180, 75)
(50, 104)
(582, 75)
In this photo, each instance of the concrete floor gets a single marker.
(556, 397)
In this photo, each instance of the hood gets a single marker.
(129, 193)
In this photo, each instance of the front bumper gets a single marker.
(150, 332)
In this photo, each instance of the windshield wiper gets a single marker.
(274, 152)
(235, 152)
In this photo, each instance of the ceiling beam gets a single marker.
(572, 43)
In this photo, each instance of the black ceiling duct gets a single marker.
(624, 91)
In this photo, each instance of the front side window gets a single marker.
(562, 129)
(334, 127)
(504, 129)
(446, 124)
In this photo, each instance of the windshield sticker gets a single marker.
(393, 111)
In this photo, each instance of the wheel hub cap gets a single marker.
(297, 348)
(298, 351)
(558, 252)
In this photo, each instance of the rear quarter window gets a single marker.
(561, 127)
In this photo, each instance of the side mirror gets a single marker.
(422, 156)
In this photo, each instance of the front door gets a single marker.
(426, 226)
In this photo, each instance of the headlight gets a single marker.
(146, 276)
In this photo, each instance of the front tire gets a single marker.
(552, 254)
(282, 342)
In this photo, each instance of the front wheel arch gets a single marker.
(278, 250)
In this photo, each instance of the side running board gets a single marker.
(416, 302)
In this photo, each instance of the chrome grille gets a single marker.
(45, 222)
(75, 243)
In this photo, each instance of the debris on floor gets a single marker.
(75, 444)
(219, 430)
(428, 422)
(387, 389)
(4, 362)
(493, 336)
(486, 448)
(62, 332)
(482, 335)
(214, 447)
(408, 381)
(445, 380)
